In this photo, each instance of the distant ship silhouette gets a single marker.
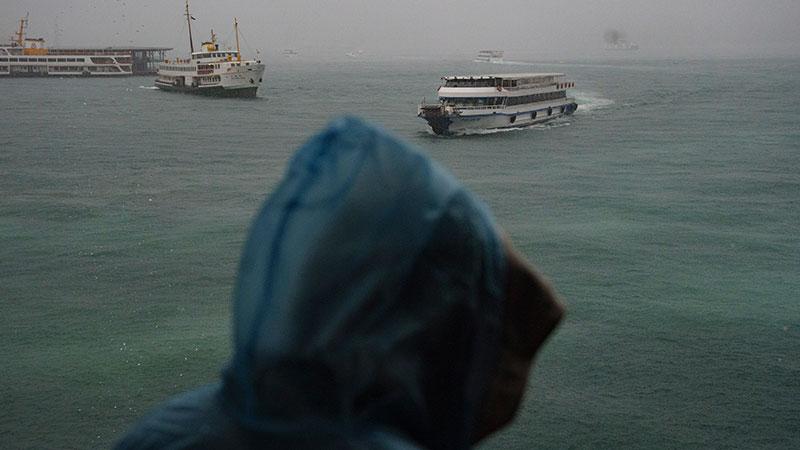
(615, 40)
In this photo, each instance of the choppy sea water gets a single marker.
(666, 211)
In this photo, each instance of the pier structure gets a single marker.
(144, 60)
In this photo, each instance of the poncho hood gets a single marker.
(369, 300)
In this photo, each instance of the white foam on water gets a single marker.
(149, 88)
(590, 101)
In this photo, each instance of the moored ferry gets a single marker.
(211, 71)
(486, 102)
(30, 57)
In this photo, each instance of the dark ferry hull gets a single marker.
(453, 124)
(211, 91)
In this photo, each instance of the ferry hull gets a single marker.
(453, 124)
(212, 91)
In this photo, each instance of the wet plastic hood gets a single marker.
(369, 297)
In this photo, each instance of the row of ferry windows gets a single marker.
(509, 101)
(76, 69)
(492, 82)
(42, 60)
(214, 55)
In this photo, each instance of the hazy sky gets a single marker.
(567, 29)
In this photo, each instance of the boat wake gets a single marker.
(589, 102)
(149, 88)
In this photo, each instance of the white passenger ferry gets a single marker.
(30, 57)
(211, 71)
(485, 102)
(490, 56)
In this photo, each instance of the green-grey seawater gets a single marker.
(666, 211)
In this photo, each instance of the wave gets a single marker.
(149, 88)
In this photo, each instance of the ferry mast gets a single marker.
(189, 21)
(236, 27)
(23, 23)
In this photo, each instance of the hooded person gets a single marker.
(377, 306)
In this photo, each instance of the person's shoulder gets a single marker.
(192, 420)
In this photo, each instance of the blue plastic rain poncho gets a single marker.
(367, 310)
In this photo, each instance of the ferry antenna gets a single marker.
(238, 50)
(23, 23)
(189, 21)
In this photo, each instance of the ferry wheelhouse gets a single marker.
(211, 71)
(485, 102)
(490, 56)
(30, 57)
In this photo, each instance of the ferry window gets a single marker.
(62, 59)
(41, 60)
(4, 59)
(12, 59)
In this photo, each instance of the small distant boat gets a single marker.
(355, 54)
(486, 102)
(289, 53)
(211, 71)
(490, 56)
